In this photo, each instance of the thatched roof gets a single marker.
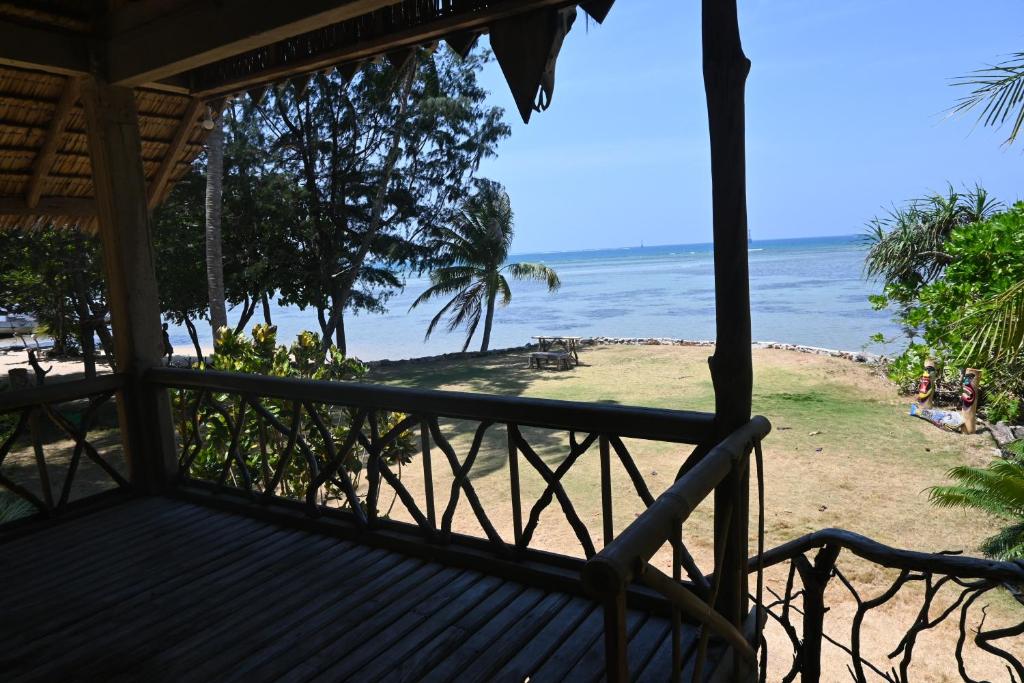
(182, 55)
(29, 103)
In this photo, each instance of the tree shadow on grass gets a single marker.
(499, 374)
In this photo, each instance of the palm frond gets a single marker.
(997, 489)
(437, 318)
(1007, 544)
(999, 92)
(993, 329)
(446, 281)
(535, 271)
(504, 290)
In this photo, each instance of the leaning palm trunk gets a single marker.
(489, 320)
(214, 252)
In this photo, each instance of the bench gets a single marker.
(561, 359)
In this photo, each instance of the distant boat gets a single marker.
(12, 325)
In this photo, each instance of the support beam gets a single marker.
(43, 49)
(725, 74)
(48, 152)
(203, 32)
(177, 146)
(114, 146)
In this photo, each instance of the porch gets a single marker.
(166, 589)
(239, 542)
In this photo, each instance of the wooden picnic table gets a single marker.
(570, 344)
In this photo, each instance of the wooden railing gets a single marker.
(800, 607)
(336, 445)
(627, 558)
(27, 413)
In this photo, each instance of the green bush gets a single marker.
(263, 449)
(979, 260)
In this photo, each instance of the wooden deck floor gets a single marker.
(163, 590)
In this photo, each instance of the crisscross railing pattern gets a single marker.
(28, 412)
(800, 607)
(338, 445)
(628, 558)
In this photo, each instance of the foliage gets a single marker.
(52, 273)
(999, 92)
(907, 246)
(997, 490)
(12, 508)
(383, 160)
(263, 448)
(473, 251)
(954, 298)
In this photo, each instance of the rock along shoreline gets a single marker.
(856, 356)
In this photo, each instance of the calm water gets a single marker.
(803, 291)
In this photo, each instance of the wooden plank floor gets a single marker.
(162, 590)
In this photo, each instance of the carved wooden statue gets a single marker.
(926, 389)
(969, 399)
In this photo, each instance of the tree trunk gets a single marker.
(194, 336)
(214, 252)
(339, 335)
(725, 74)
(266, 309)
(489, 320)
(85, 337)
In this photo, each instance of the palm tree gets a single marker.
(907, 247)
(214, 250)
(999, 91)
(998, 490)
(474, 251)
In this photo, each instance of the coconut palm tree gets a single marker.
(214, 206)
(998, 490)
(474, 251)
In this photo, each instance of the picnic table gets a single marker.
(570, 344)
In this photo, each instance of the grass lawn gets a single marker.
(842, 453)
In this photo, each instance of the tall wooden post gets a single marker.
(725, 74)
(116, 155)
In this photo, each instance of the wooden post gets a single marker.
(615, 638)
(725, 74)
(121, 205)
(815, 579)
(969, 399)
(926, 389)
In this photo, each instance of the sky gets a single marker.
(846, 115)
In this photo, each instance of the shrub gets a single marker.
(264, 449)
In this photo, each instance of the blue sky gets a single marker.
(846, 107)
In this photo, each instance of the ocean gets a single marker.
(803, 291)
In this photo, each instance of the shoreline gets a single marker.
(66, 366)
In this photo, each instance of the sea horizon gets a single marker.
(807, 291)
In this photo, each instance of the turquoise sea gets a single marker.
(803, 291)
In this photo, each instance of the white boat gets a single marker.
(12, 325)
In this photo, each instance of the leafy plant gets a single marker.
(997, 490)
(965, 313)
(12, 507)
(264, 454)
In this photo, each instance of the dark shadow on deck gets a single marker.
(157, 589)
